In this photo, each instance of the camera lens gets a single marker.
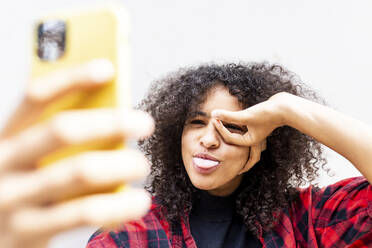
(51, 40)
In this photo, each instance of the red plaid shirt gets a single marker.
(339, 215)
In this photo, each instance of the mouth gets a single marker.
(205, 164)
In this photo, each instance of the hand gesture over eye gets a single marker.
(259, 121)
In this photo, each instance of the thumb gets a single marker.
(236, 117)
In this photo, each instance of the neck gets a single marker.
(228, 188)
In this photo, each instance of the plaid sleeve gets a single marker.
(150, 231)
(101, 240)
(342, 213)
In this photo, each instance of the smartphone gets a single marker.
(70, 38)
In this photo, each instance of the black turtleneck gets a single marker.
(214, 223)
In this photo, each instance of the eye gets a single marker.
(234, 128)
(197, 122)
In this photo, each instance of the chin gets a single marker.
(202, 185)
(199, 181)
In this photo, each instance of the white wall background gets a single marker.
(328, 43)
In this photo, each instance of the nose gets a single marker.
(209, 138)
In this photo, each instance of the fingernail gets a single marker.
(219, 122)
(100, 70)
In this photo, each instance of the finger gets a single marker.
(87, 76)
(254, 157)
(229, 137)
(72, 128)
(88, 173)
(14, 241)
(51, 87)
(237, 117)
(80, 126)
(263, 145)
(97, 210)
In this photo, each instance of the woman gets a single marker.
(232, 144)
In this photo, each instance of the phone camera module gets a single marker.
(51, 40)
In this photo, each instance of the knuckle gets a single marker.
(81, 169)
(64, 128)
(228, 139)
(57, 130)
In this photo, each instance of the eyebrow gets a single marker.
(192, 114)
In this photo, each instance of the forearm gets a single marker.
(347, 136)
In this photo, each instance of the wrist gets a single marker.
(283, 103)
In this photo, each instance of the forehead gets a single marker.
(219, 97)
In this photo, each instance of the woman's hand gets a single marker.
(345, 135)
(260, 120)
(31, 210)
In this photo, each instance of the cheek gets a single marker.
(185, 144)
(188, 140)
(237, 155)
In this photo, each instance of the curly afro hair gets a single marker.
(291, 159)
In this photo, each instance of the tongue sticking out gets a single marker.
(204, 163)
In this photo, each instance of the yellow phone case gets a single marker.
(94, 33)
